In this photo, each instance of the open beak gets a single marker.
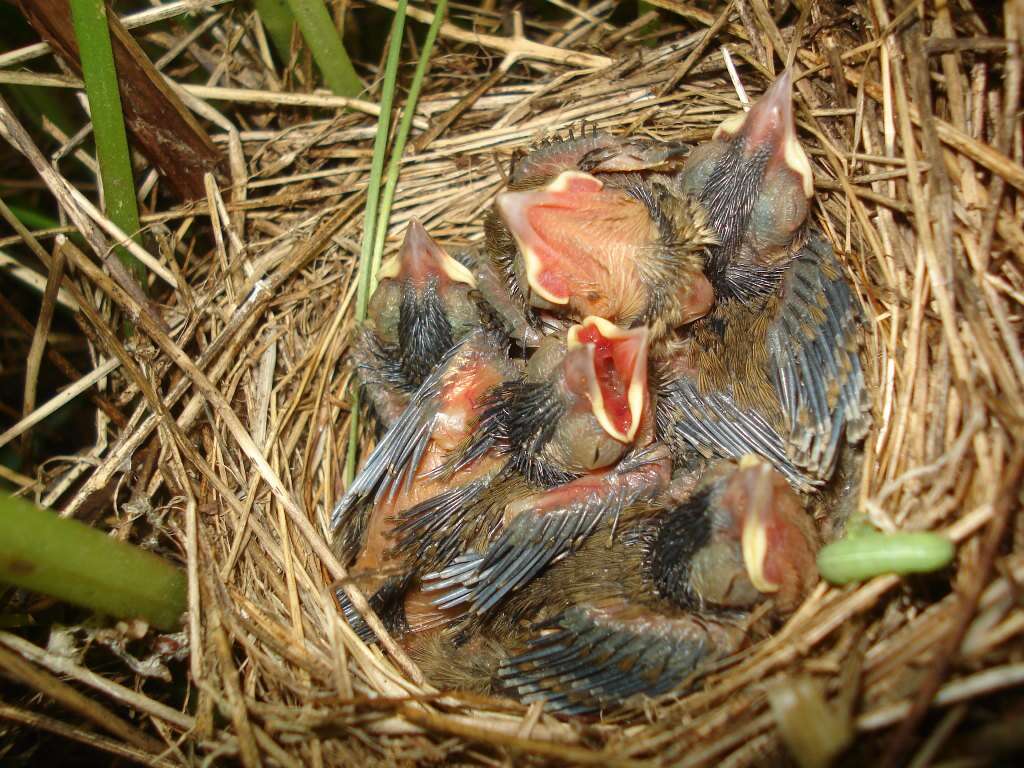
(420, 259)
(769, 127)
(755, 475)
(618, 387)
(546, 225)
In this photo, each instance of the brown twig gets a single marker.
(165, 130)
(16, 668)
(40, 722)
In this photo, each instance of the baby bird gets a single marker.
(477, 432)
(402, 469)
(539, 520)
(774, 367)
(565, 472)
(641, 610)
(614, 242)
(425, 302)
(755, 183)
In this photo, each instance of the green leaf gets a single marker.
(323, 40)
(278, 20)
(79, 564)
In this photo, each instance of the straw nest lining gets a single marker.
(909, 126)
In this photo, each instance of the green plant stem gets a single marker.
(380, 143)
(642, 8)
(366, 266)
(73, 562)
(278, 20)
(400, 139)
(100, 75)
(32, 218)
(37, 103)
(323, 40)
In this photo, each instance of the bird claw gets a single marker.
(634, 155)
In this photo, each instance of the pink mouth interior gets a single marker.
(613, 373)
(555, 229)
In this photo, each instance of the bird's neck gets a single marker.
(674, 539)
(424, 331)
(728, 199)
(731, 191)
(735, 278)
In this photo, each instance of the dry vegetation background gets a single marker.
(221, 429)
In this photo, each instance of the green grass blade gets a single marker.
(100, 75)
(642, 8)
(32, 218)
(81, 565)
(380, 143)
(366, 266)
(37, 102)
(400, 139)
(323, 40)
(277, 20)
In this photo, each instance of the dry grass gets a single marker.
(239, 437)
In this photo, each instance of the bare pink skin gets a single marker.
(651, 476)
(582, 240)
(459, 397)
(699, 299)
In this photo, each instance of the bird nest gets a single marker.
(237, 402)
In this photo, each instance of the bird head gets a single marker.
(740, 535)
(754, 180)
(599, 379)
(777, 538)
(422, 304)
(570, 233)
(421, 261)
(612, 247)
(613, 375)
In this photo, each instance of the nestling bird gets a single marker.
(565, 473)
(425, 302)
(640, 610)
(401, 471)
(477, 434)
(774, 367)
(614, 464)
(614, 242)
